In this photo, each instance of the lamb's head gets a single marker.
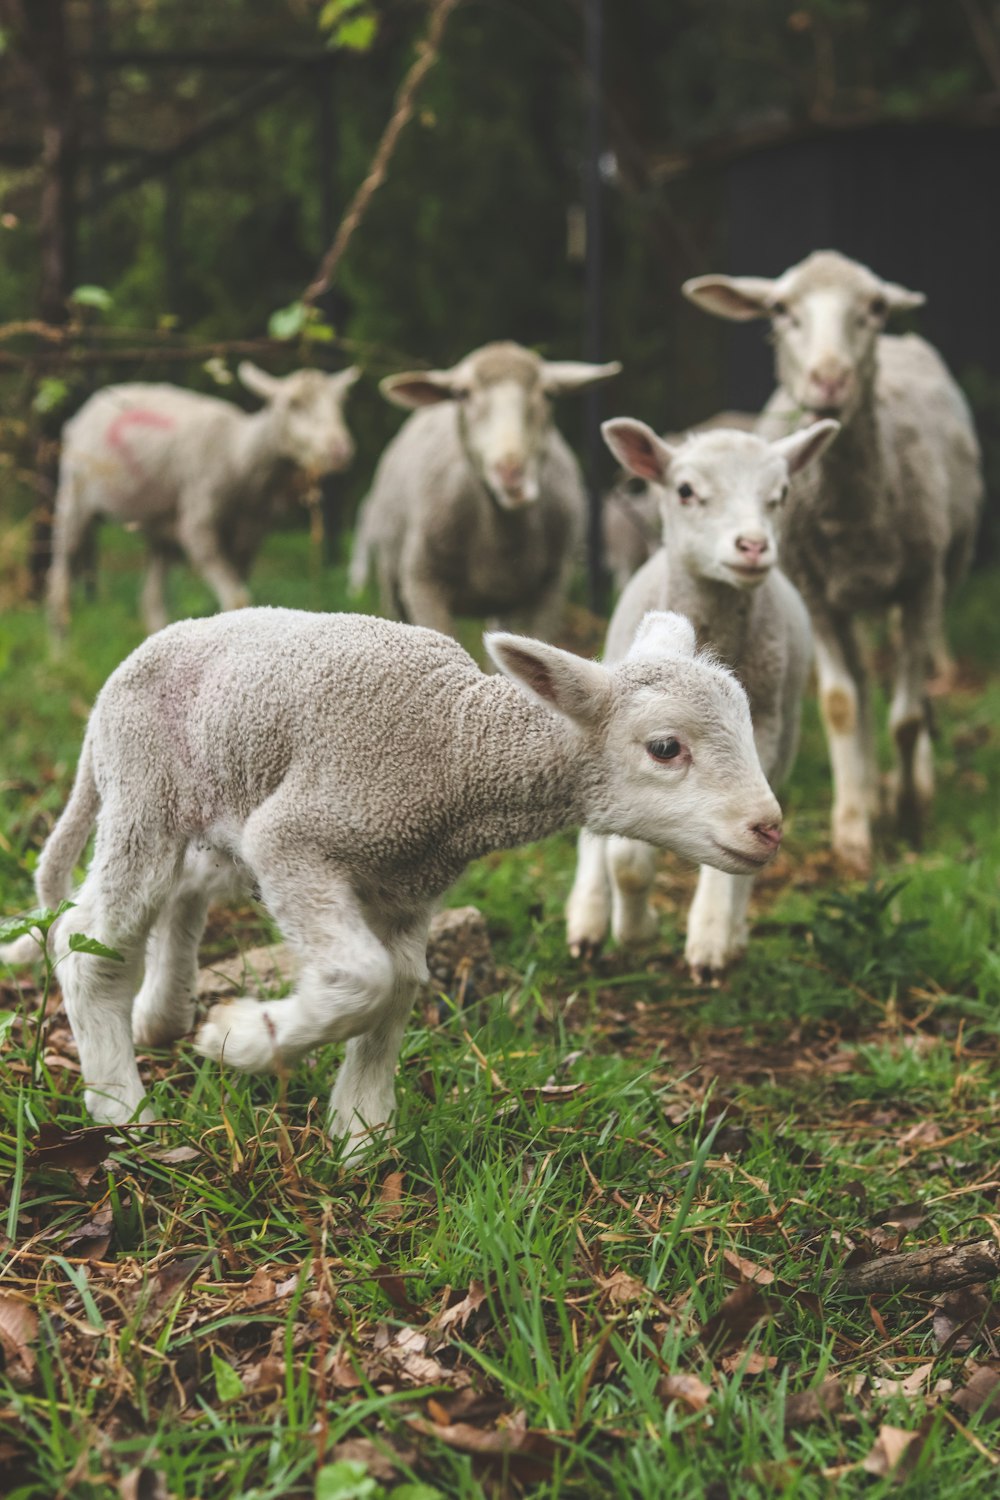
(307, 409)
(665, 749)
(721, 492)
(826, 314)
(502, 391)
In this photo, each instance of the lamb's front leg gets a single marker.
(632, 866)
(588, 907)
(717, 922)
(843, 706)
(199, 537)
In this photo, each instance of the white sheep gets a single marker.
(348, 768)
(721, 494)
(630, 519)
(477, 506)
(887, 519)
(193, 472)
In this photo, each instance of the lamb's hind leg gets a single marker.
(913, 788)
(165, 1005)
(69, 534)
(632, 865)
(844, 708)
(131, 876)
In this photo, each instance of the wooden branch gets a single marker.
(406, 98)
(939, 1268)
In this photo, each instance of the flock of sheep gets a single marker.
(347, 768)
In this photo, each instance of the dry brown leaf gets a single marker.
(621, 1289)
(823, 1401)
(176, 1155)
(390, 1203)
(747, 1270)
(260, 1288)
(694, 1393)
(90, 1241)
(960, 1317)
(18, 1330)
(267, 1374)
(891, 1447)
(982, 1394)
(525, 1453)
(78, 1151)
(748, 1363)
(381, 1460)
(459, 1313)
(729, 1325)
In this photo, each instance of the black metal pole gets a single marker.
(594, 272)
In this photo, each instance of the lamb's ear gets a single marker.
(738, 297)
(257, 380)
(341, 383)
(638, 448)
(802, 448)
(422, 387)
(579, 689)
(662, 633)
(900, 298)
(560, 376)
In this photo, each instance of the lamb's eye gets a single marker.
(780, 309)
(667, 749)
(636, 486)
(878, 307)
(685, 492)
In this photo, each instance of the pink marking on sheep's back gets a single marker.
(134, 416)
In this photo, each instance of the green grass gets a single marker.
(222, 1304)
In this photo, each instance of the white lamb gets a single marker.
(477, 506)
(195, 473)
(721, 493)
(887, 519)
(349, 768)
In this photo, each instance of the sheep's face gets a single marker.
(504, 413)
(666, 746)
(308, 407)
(721, 493)
(826, 314)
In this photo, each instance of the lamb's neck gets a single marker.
(519, 773)
(258, 452)
(852, 468)
(719, 612)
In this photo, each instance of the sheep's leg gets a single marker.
(844, 708)
(200, 541)
(153, 603)
(165, 1005)
(588, 907)
(364, 1096)
(69, 533)
(424, 603)
(914, 777)
(632, 865)
(132, 874)
(544, 620)
(717, 922)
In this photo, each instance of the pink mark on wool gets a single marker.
(134, 416)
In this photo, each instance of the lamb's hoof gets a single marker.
(705, 974)
(586, 949)
(852, 845)
(634, 934)
(356, 1140)
(239, 1032)
(107, 1107)
(154, 1030)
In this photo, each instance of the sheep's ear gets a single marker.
(662, 633)
(559, 376)
(257, 380)
(802, 448)
(578, 689)
(341, 383)
(422, 387)
(638, 448)
(736, 297)
(900, 298)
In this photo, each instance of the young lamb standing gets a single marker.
(195, 473)
(720, 494)
(350, 768)
(477, 506)
(887, 519)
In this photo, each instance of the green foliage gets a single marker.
(92, 296)
(352, 24)
(860, 937)
(51, 393)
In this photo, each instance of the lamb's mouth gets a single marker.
(744, 570)
(754, 861)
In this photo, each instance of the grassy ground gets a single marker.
(600, 1255)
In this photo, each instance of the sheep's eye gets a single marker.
(685, 492)
(636, 486)
(667, 749)
(878, 307)
(780, 309)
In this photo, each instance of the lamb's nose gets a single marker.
(510, 472)
(769, 834)
(752, 547)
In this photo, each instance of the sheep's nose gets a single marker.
(510, 472)
(831, 383)
(769, 834)
(752, 547)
